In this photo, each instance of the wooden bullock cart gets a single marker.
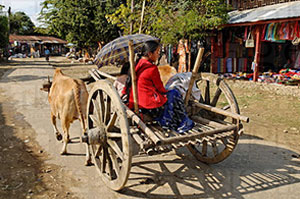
(112, 126)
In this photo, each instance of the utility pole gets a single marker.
(131, 20)
(142, 17)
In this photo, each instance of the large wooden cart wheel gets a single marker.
(215, 92)
(113, 156)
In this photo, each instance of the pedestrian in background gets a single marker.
(47, 54)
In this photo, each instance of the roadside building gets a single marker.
(36, 45)
(261, 36)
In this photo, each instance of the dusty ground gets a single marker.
(28, 170)
(23, 171)
(274, 111)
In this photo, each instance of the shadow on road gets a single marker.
(39, 63)
(20, 167)
(22, 78)
(23, 171)
(255, 168)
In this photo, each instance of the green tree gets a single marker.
(81, 22)
(172, 20)
(21, 24)
(3, 29)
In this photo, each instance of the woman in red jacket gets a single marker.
(166, 107)
(150, 89)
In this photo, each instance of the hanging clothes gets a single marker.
(229, 65)
(182, 56)
(234, 64)
(297, 61)
(169, 54)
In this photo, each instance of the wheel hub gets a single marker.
(95, 135)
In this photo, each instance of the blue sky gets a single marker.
(31, 7)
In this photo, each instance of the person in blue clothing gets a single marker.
(47, 54)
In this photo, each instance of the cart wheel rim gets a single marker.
(113, 156)
(216, 150)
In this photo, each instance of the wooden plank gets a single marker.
(207, 122)
(136, 137)
(105, 75)
(94, 76)
(158, 132)
(221, 111)
(142, 126)
(193, 78)
(194, 136)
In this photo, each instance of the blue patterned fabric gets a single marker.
(174, 115)
(116, 51)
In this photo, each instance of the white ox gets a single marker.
(68, 101)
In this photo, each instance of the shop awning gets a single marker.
(36, 39)
(272, 12)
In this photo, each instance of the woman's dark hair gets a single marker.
(149, 46)
(125, 68)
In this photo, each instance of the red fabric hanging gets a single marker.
(246, 33)
(296, 30)
(263, 33)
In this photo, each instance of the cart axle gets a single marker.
(94, 136)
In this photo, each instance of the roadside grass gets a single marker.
(273, 117)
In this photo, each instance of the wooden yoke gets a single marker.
(194, 73)
(133, 76)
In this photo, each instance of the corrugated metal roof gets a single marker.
(277, 11)
(33, 39)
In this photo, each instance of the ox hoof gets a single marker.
(58, 136)
(88, 163)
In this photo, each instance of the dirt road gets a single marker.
(31, 166)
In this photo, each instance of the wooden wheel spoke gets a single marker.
(110, 166)
(98, 151)
(114, 146)
(216, 97)
(226, 107)
(101, 104)
(214, 148)
(115, 161)
(113, 157)
(216, 93)
(94, 120)
(107, 109)
(204, 148)
(113, 135)
(224, 141)
(105, 154)
(112, 121)
(207, 93)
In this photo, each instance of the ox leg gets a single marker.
(88, 160)
(65, 127)
(57, 133)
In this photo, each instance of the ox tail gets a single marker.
(76, 91)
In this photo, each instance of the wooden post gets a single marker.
(212, 57)
(133, 76)
(257, 55)
(190, 55)
(142, 17)
(195, 71)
